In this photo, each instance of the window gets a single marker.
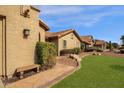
(64, 44)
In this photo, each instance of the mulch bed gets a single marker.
(67, 61)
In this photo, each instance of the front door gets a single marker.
(1, 48)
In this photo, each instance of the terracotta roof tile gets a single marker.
(99, 42)
(61, 33)
(87, 39)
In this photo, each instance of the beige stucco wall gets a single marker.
(0, 46)
(71, 43)
(103, 46)
(20, 51)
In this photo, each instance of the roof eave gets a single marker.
(46, 28)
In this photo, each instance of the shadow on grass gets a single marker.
(117, 67)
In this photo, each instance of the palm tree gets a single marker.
(122, 38)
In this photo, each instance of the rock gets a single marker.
(76, 57)
(95, 53)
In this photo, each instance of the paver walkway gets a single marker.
(41, 79)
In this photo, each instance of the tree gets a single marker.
(122, 38)
(110, 45)
(115, 45)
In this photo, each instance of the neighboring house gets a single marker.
(20, 29)
(67, 39)
(100, 44)
(88, 41)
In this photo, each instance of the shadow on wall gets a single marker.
(118, 67)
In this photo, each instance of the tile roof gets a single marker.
(61, 34)
(99, 42)
(87, 39)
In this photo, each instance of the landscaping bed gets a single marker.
(113, 54)
(66, 61)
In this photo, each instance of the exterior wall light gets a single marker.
(26, 13)
(26, 32)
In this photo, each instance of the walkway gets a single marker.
(62, 69)
(43, 78)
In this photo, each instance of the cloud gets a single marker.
(60, 15)
(60, 10)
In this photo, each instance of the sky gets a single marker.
(102, 22)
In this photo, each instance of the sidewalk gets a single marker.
(43, 79)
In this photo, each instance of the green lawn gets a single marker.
(96, 72)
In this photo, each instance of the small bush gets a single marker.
(82, 47)
(90, 49)
(122, 47)
(46, 54)
(76, 50)
(99, 50)
(70, 51)
(122, 51)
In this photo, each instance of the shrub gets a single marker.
(99, 50)
(82, 47)
(122, 51)
(70, 51)
(122, 47)
(76, 50)
(46, 54)
(90, 49)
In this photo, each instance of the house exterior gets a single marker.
(88, 41)
(20, 29)
(100, 44)
(67, 39)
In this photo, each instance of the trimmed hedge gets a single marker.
(70, 51)
(76, 50)
(46, 54)
(91, 49)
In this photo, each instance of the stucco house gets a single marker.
(88, 41)
(20, 29)
(66, 39)
(100, 44)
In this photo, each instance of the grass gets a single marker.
(96, 72)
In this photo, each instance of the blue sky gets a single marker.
(103, 22)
